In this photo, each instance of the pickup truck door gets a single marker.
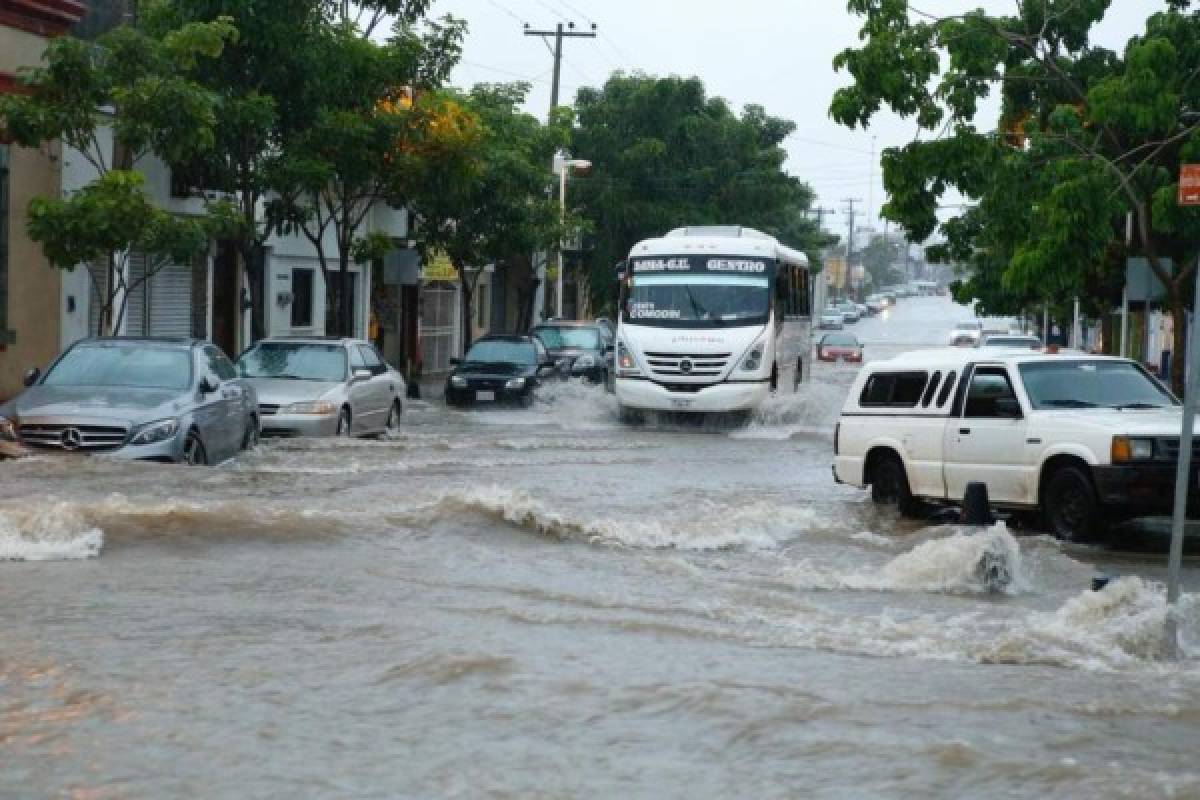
(985, 439)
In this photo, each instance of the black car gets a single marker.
(582, 349)
(501, 369)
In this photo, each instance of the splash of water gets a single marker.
(52, 532)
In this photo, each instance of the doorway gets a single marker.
(225, 300)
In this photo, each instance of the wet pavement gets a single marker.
(545, 603)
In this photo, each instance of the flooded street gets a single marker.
(546, 603)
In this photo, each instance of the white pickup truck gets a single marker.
(1087, 440)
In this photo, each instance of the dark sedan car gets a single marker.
(580, 348)
(500, 369)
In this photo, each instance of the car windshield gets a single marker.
(1092, 384)
(840, 340)
(127, 365)
(698, 301)
(557, 338)
(1012, 341)
(296, 361)
(501, 351)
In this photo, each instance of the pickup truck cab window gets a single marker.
(991, 395)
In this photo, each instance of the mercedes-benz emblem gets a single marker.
(72, 439)
(685, 366)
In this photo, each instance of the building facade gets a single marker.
(29, 286)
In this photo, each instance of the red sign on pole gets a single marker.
(1189, 185)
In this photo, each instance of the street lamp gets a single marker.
(562, 165)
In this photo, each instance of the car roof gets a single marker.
(177, 341)
(958, 357)
(568, 323)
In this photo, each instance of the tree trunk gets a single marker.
(1179, 330)
(465, 292)
(346, 312)
(252, 264)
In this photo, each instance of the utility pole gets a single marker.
(850, 214)
(559, 33)
(821, 213)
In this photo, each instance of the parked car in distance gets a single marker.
(966, 333)
(500, 369)
(323, 386)
(876, 303)
(863, 310)
(849, 311)
(169, 400)
(840, 347)
(830, 320)
(1018, 341)
(1084, 440)
(581, 348)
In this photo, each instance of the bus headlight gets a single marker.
(626, 365)
(753, 359)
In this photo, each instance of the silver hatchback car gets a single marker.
(315, 386)
(174, 400)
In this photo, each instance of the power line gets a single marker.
(506, 10)
(576, 11)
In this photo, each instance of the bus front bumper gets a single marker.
(650, 396)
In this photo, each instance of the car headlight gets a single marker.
(626, 365)
(515, 383)
(8, 431)
(458, 381)
(1126, 448)
(754, 356)
(318, 407)
(156, 432)
(585, 361)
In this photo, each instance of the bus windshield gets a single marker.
(688, 300)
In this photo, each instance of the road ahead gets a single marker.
(545, 603)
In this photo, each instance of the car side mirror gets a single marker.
(208, 385)
(1008, 408)
(454, 362)
(32, 376)
(546, 367)
(363, 374)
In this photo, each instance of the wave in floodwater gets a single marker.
(53, 532)
(709, 526)
(965, 562)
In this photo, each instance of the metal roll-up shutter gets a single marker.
(171, 301)
(135, 303)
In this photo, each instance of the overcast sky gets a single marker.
(777, 53)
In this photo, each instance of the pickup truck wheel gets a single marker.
(1071, 506)
(889, 484)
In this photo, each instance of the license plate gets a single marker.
(485, 395)
(681, 402)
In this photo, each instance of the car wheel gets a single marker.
(889, 484)
(194, 454)
(525, 400)
(251, 435)
(343, 424)
(393, 421)
(1070, 505)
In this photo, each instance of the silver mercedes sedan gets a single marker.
(172, 400)
(314, 386)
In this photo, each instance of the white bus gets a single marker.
(712, 319)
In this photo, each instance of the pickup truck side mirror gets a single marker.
(363, 374)
(1008, 408)
(208, 385)
(454, 362)
(31, 377)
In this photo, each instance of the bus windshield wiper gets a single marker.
(700, 311)
(1137, 406)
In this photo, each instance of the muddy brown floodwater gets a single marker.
(544, 603)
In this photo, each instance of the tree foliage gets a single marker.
(492, 207)
(136, 85)
(1085, 135)
(664, 155)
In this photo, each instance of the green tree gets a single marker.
(1085, 135)
(366, 140)
(493, 208)
(136, 86)
(879, 259)
(665, 154)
